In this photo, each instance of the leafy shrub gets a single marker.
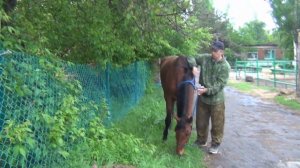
(46, 120)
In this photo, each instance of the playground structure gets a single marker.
(276, 73)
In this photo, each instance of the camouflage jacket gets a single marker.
(213, 75)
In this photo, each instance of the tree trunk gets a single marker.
(298, 64)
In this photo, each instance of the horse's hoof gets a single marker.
(165, 135)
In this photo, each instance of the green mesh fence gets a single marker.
(122, 87)
(38, 94)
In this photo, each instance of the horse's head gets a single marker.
(183, 131)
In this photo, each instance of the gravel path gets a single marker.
(258, 134)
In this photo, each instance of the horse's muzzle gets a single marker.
(179, 151)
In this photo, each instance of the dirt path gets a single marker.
(258, 134)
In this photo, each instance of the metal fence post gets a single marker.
(297, 65)
(257, 77)
(245, 70)
(235, 67)
(275, 71)
(137, 86)
(1, 95)
(107, 88)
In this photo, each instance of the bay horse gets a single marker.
(178, 83)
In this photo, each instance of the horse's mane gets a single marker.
(182, 88)
(182, 62)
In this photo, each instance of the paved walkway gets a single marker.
(258, 134)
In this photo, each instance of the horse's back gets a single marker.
(167, 61)
(167, 65)
(167, 73)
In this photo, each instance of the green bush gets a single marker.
(46, 117)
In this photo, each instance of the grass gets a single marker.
(242, 86)
(132, 142)
(146, 121)
(291, 103)
(247, 87)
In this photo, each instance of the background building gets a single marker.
(263, 52)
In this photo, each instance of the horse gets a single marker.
(178, 83)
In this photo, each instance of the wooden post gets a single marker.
(298, 64)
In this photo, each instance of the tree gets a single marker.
(102, 31)
(287, 16)
(217, 23)
(254, 32)
(205, 16)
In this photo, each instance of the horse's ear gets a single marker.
(190, 120)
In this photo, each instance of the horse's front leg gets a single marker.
(168, 119)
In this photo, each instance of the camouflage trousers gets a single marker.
(205, 113)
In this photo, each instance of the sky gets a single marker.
(243, 11)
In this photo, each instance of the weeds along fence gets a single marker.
(275, 73)
(46, 104)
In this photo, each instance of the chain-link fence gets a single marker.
(43, 100)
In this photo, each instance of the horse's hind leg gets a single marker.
(167, 125)
(168, 119)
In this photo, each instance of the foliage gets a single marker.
(230, 56)
(285, 41)
(254, 33)
(125, 31)
(103, 31)
(118, 32)
(220, 27)
(21, 138)
(102, 146)
(205, 16)
(45, 119)
(136, 141)
(51, 119)
(287, 17)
